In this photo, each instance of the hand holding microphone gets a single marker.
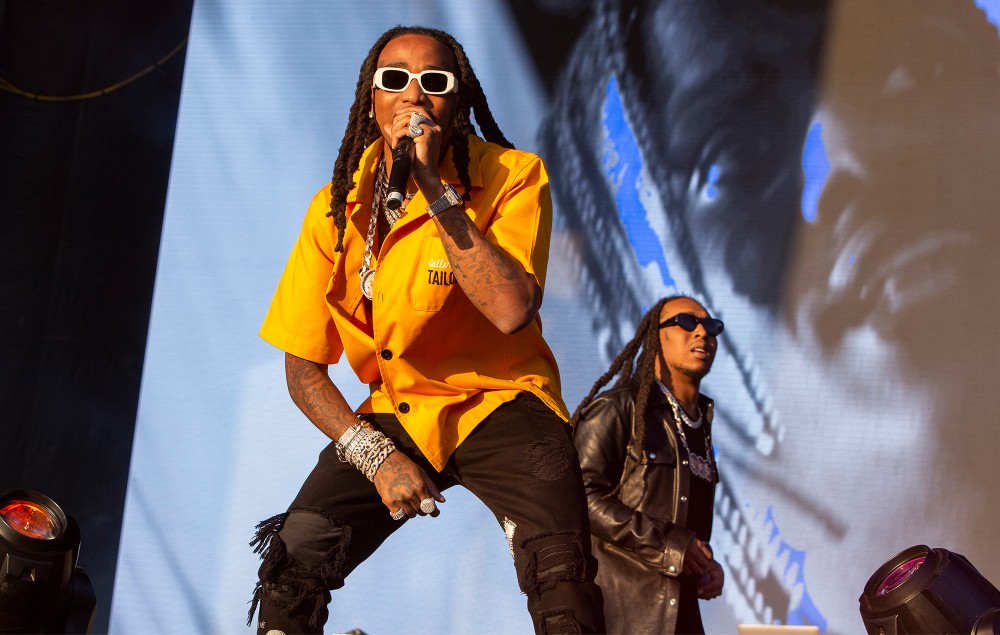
(402, 163)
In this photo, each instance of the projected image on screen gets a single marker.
(821, 174)
(794, 166)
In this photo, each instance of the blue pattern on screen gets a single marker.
(815, 169)
(711, 189)
(805, 612)
(992, 10)
(622, 163)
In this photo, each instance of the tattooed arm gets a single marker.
(496, 284)
(400, 482)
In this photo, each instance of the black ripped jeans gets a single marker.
(520, 461)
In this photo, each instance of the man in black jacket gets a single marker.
(650, 479)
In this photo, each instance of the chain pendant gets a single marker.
(700, 467)
(367, 278)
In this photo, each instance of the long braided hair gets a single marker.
(633, 363)
(363, 130)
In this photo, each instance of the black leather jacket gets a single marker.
(638, 532)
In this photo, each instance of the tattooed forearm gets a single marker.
(312, 391)
(492, 280)
(458, 227)
(304, 380)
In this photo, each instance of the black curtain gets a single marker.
(84, 163)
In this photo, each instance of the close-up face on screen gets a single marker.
(818, 174)
(804, 183)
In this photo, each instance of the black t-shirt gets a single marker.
(701, 493)
(700, 502)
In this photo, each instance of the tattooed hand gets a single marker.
(402, 484)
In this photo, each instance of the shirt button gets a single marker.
(404, 407)
(386, 354)
(684, 462)
(684, 499)
(673, 601)
(671, 568)
(652, 455)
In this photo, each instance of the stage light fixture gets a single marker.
(41, 588)
(924, 590)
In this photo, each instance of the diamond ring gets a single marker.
(415, 120)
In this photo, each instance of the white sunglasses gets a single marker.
(395, 80)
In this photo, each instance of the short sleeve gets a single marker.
(299, 320)
(522, 225)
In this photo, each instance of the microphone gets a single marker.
(400, 173)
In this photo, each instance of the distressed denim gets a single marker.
(520, 462)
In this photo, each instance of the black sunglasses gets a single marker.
(690, 322)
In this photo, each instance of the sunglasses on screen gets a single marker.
(690, 322)
(395, 80)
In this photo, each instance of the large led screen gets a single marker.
(820, 174)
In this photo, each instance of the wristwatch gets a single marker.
(450, 198)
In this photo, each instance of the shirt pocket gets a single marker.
(658, 457)
(433, 286)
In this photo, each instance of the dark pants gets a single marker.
(520, 461)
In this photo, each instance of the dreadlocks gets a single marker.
(626, 366)
(362, 130)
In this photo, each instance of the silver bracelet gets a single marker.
(365, 448)
(345, 441)
(376, 454)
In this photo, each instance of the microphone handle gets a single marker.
(400, 174)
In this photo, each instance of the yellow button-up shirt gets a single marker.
(427, 353)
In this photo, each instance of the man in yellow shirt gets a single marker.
(433, 296)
